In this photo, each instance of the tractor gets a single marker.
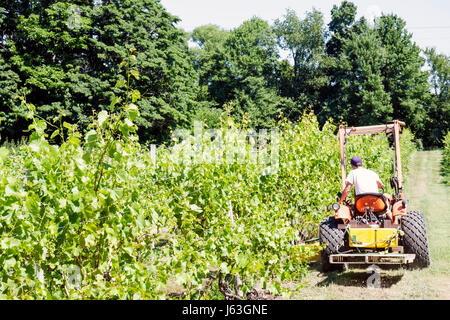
(362, 233)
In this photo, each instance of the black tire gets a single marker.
(334, 238)
(415, 239)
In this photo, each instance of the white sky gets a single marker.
(427, 20)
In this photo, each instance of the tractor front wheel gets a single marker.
(333, 237)
(415, 239)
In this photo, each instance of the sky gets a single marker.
(427, 20)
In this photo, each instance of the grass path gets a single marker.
(425, 192)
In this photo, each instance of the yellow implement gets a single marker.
(377, 238)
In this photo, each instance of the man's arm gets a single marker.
(380, 184)
(345, 192)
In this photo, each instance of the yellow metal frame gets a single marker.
(379, 238)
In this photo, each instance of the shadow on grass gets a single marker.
(358, 276)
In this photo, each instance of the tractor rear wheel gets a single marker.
(333, 237)
(415, 239)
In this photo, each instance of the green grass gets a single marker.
(427, 192)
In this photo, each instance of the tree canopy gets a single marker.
(65, 57)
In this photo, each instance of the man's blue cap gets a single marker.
(356, 160)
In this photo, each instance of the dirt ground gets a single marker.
(425, 192)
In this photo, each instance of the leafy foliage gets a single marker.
(342, 18)
(404, 81)
(358, 93)
(437, 122)
(237, 68)
(65, 55)
(88, 212)
(305, 40)
(97, 217)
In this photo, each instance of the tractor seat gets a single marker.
(374, 201)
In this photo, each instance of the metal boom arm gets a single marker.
(392, 127)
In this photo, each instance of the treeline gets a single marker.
(65, 58)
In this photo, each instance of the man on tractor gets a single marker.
(364, 180)
(359, 232)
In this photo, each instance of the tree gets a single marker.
(341, 27)
(9, 81)
(240, 69)
(68, 54)
(438, 113)
(252, 50)
(167, 79)
(378, 66)
(403, 77)
(359, 97)
(342, 18)
(305, 40)
(210, 37)
(211, 44)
